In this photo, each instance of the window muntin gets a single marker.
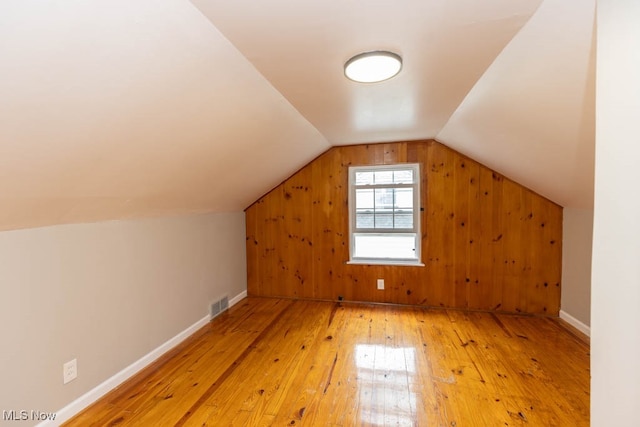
(384, 214)
(384, 208)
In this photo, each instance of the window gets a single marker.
(384, 214)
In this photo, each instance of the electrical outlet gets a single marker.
(381, 284)
(70, 371)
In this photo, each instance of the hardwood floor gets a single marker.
(282, 362)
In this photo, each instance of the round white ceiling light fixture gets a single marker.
(373, 67)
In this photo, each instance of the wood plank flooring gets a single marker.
(283, 362)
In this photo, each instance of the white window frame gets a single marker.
(415, 231)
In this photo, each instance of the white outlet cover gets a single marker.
(70, 371)
(380, 284)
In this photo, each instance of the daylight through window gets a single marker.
(384, 213)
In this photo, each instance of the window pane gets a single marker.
(383, 177)
(364, 178)
(384, 219)
(391, 246)
(403, 198)
(404, 176)
(364, 219)
(384, 198)
(404, 220)
(364, 199)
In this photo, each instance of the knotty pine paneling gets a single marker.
(488, 243)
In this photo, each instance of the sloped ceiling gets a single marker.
(532, 114)
(119, 109)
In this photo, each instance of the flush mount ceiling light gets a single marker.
(373, 67)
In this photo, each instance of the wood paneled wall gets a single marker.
(487, 242)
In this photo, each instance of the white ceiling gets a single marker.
(120, 109)
(532, 114)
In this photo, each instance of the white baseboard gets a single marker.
(575, 323)
(69, 411)
(233, 301)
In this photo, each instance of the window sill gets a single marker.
(386, 262)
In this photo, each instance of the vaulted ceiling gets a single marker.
(120, 109)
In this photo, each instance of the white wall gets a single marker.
(106, 294)
(577, 240)
(615, 310)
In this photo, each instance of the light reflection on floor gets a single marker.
(385, 377)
